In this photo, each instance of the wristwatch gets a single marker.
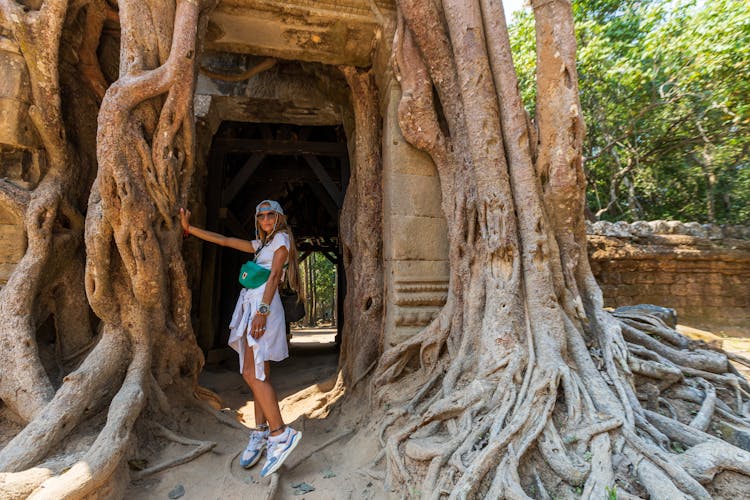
(264, 309)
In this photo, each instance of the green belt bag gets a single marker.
(253, 275)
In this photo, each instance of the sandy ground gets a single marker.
(733, 339)
(331, 461)
(303, 382)
(337, 470)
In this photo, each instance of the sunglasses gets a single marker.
(267, 215)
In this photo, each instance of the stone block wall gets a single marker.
(702, 271)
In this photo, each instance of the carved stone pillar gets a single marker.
(416, 242)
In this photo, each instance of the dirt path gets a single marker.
(303, 382)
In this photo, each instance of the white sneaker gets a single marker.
(279, 450)
(255, 446)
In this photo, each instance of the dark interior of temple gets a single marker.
(304, 168)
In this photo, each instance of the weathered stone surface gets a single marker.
(416, 238)
(331, 32)
(282, 94)
(6, 269)
(411, 161)
(415, 291)
(703, 277)
(435, 269)
(12, 245)
(12, 242)
(413, 194)
(672, 227)
(15, 127)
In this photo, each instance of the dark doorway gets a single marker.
(305, 168)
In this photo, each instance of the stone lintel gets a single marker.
(285, 93)
(250, 109)
(331, 32)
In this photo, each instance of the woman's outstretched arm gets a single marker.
(212, 237)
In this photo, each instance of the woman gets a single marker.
(258, 329)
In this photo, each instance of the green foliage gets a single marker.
(664, 89)
(611, 492)
(677, 447)
(319, 281)
(325, 281)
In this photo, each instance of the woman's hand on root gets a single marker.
(185, 219)
(258, 326)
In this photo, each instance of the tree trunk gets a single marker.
(710, 176)
(314, 288)
(49, 207)
(525, 384)
(134, 276)
(361, 235)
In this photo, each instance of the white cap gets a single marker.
(271, 206)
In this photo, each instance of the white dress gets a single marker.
(272, 345)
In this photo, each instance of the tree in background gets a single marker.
(319, 280)
(666, 108)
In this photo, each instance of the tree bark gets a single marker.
(50, 212)
(134, 277)
(361, 234)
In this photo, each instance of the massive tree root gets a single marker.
(134, 276)
(524, 385)
(52, 220)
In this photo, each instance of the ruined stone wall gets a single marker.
(702, 271)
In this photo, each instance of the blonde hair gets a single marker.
(292, 278)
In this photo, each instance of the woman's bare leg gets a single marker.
(260, 417)
(264, 395)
